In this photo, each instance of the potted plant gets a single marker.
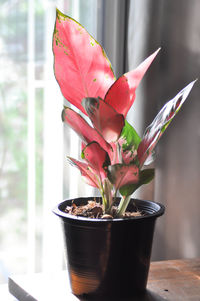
(109, 238)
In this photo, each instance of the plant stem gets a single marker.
(105, 201)
(123, 205)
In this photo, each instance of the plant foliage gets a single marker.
(113, 154)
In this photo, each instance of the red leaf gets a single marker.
(82, 68)
(121, 94)
(86, 172)
(155, 130)
(104, 118)
(83, 129)
(121, 174)
(97, 157)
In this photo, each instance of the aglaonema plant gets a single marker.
(113, 154)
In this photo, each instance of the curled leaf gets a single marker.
(105, 119)
(97, 157)
(155, 130)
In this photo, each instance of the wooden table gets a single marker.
(171, 280)
(175, 280)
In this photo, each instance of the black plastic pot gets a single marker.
(109, 259)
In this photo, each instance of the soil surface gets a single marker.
(94, 209)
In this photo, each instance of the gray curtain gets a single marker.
(175, 26)
(112, 32)
(130, 31)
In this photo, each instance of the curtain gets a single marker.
(174, 26)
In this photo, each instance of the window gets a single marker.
(31, 131)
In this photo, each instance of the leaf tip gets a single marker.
(154, 54)
(194, 81)
(189, 87)
(58, 12)
(60, 16)
(158, 50)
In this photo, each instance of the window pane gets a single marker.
(13, 142)
(31, 155)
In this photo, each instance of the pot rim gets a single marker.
(158, 209)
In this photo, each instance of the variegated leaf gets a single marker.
(81, 66)
(155, 130)
(87, 172)
(121, 174)
(83, 129)
(129, 141)
(97, 157)
(105, 119)
(145, 177)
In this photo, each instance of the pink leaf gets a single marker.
(82, 68)
(83, 129)
(104, 118)
(97, 157)
(121, 174)
(83, 145)
(121, 94)
(115, 155)
(87, 172)
(155, 130)
(129, 155)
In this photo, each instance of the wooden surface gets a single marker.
(175, 280)
(172, 280)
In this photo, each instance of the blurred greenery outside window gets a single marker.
(25, 52)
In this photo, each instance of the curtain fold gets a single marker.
(112, 32)
(175, 26)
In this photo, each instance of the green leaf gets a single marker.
(129, 138)
(145, 177)
(129, 141)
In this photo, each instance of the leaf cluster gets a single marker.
(113, 154)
